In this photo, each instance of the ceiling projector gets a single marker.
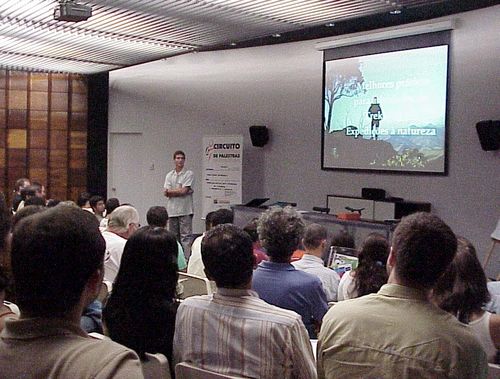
(71, 11)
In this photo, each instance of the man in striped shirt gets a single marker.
(234, 332)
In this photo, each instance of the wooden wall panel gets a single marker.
(43, 131)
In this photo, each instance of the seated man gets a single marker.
(277, 281)
(158, 216)
(122, 222)
(233, 331)
(397, 332)
(57, 263)
(314, 242)
(218, 217)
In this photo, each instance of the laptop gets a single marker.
(342, 259)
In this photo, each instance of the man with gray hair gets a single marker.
(277, 282)
(122, 223)
(314, 242)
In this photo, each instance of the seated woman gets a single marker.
(462, 291)
(140, 312)
(371, 273)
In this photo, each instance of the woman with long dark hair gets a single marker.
(140, 312)
(462, 291)
(371, 273)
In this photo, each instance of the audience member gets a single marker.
(52, 203)
(218, 217)
(20, 184)
(158, 216)
(97, 204)
(7, 309)
(398, 332)
(371, 273)
(277, 281)
(234, 332)
(140, 312)
(462, 291)
(111, 205)
(259, 254)
(122, 223)
(314, 242)
(83, 201)
(57, 261)
(38, 201)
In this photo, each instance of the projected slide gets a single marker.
(386, 111)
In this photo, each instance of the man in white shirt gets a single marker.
(233, 332)
(178, 189)
(314, 241)
(218, 217)
(123, 221)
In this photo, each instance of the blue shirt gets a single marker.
(282, 285)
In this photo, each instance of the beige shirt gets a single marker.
(49, 348)
(396, 333)
(234, 332)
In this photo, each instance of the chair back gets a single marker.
(493, 371)
(186, 370)
(192, 285)
(156, 367)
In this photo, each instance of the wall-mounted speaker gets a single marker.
(489, 134)
(259, 135)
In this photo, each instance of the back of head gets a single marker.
(314, 235)
(54, 253)
(227, 254)
(251, 229)
(157, 216)
(280, 231)
(121, 218)
(221, 216)
(371, 273)
(208, 220)
(25, 212)
(27, 192)
(35, 201)
(20, 183)
(423, 246)
(83, 199)
(148, 267)
(343, 239)
(112, 204)
(462, 289)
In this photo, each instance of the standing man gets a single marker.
(178, 189)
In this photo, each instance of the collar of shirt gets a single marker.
(276, 266)
(404, 292)
(29, 328)
(312, 259)
(234, 292)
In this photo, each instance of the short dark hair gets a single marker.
(462, 289)
(251, 229)
(343, 239)
(227, 254)
(52, 202)
(82, 199)
(313, 235)
(94, 200)
(54, 254)
(371, 272)
(221, 216)
(280, 231)
(4, 279)
(20, 183)
(178, 152)
(424, 246)
(157, 216)
(28, 191)
(111, 205)
(208, 220)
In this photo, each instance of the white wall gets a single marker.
(176, 101)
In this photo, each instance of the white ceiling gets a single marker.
(122, 33)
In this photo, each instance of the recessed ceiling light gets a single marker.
(276, 35)
(330, 25)
(233, 44)
(395, 11)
